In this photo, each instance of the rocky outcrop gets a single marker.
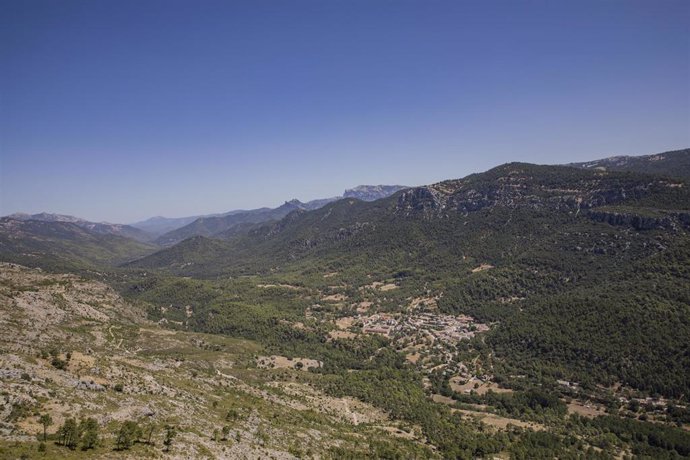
(639, 222)
(90, 386)
(372, 192)
(421, 200)
(524, 186)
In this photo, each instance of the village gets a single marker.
(438, 327)
(427, 338)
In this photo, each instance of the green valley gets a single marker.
(525, 312)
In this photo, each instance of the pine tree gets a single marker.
(68, 434)
(128, 434)
(89, 429)
(170, 434)
(46, 420)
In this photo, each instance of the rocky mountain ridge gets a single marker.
(103, 228)
(65, 243)
(673, 163)
(523, 185)
(372, 192)
(226, 225)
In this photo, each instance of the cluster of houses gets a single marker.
(380, 323)
(445, 328)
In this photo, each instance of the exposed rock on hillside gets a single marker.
(521, 185)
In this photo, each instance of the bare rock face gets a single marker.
(372, 192)
(90, 386)
(422, 200)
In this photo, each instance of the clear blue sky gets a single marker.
(121, 110)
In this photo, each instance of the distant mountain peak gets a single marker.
(372, 192)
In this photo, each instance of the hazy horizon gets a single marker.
(120, 111)
(271, 205)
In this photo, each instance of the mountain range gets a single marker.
(102, 228)
(214, 223)
(551, 235)
(528, 311)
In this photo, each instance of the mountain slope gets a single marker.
(513, 187)
(208, 226)
(65, 244)
(158, 225)
(103, 228)
(72, 347)
(515, 245)
(674, 163)
(230, 224)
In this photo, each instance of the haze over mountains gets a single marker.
(63, 236)
(163, 231)
(470, 318)
(215, 223)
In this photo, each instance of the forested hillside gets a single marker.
(528, 311)
(558, 270)
(65, 245)
(674, 164)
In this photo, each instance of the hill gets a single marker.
(208, 226)
(235, 222)
(159, 225)
(72, 347)
(674, 163)
(59, 244)
(103, 228)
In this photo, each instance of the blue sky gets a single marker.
(121, 110)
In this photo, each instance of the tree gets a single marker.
(68, 434)
(149, 430)
(89, 429)
(170, 434)
(46, 420)
(128, 434)
(226, 432)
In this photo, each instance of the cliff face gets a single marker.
(528, 186)
(372, 192)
